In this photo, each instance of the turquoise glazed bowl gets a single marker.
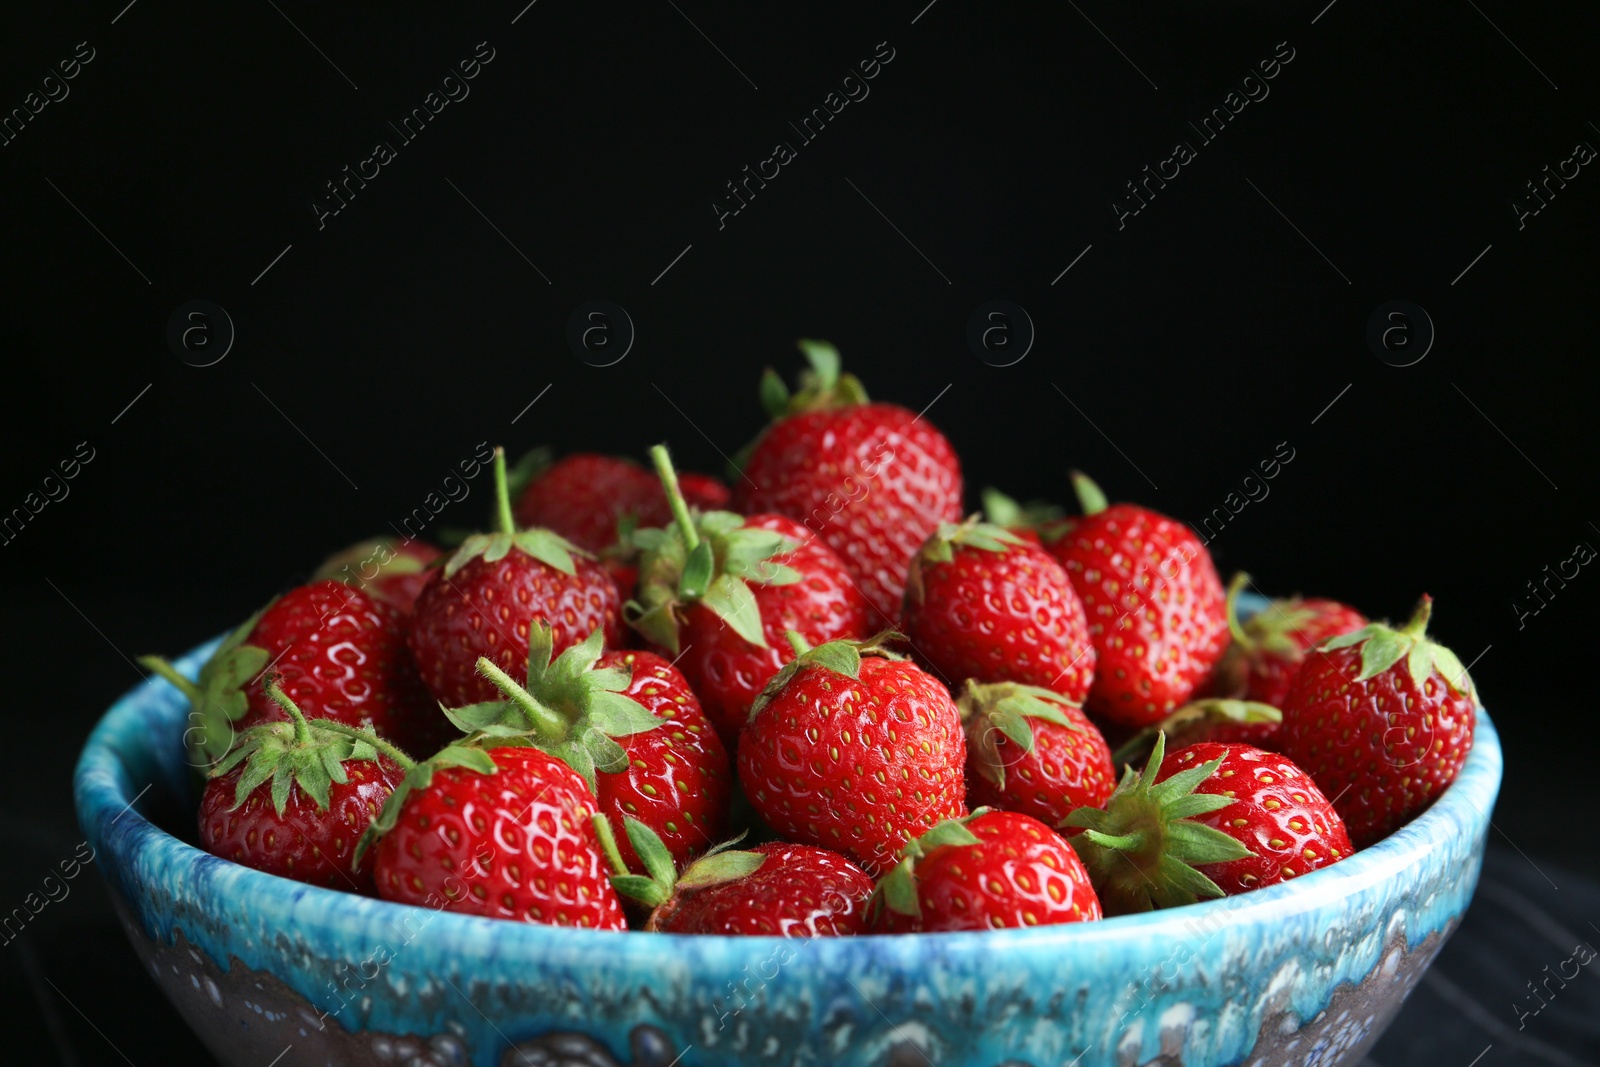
(273, 972)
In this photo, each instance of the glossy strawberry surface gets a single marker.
(678, 779)
(1019, 873)
(859, 766)
(1155, 609)
(1066, 767)
(874, 480)
(798, 891)
(1277, 641)
(485, 608)
(1278, 813)
(1000, 616)
(517, 844)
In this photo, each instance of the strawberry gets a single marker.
(392, 571)
(1155, 605)
(989, 870)
(504, 832)
(1024, 520)
(872, 480)
(336, 648)
(1144, 849)
(1278, 813)
(292, 798)
(775, 889)
(718, 591)
(982, 603)
(1232, 722)
(629, 724)
(1382, 719)
(1267, 651)
(1031, 750)
(584, 497)
(483, 601)
(853, 749)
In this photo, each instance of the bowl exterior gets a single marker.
(272, 971)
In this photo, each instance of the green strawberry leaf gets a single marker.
(732, 601)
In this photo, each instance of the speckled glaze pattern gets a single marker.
(1304, 973)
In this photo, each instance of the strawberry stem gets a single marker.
(550, 727)
(608, 844)
(1419, 618)
(302, 732)
(680, 507)
(389, 749)
(167, 671)
(1090, 496)
(1235, 628)
(502, 493)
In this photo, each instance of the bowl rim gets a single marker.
(102, 784)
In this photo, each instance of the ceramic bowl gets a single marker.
(273, 973)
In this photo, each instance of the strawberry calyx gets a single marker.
(941, 547)
(1271, 629)
(821, 385)
(842, 657)
(897, 890)
(720, 863)
(1091, 498)
(546, 546)
(1211, 710)
(1383, 646)
(310, 755)
(344, 565)
(1142, 848)
(569, 708)
(1002, 510)
(1004, 709)
(217, 697)
(709, 558)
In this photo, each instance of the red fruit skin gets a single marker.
(874, 480)
(518, 844)
(678, 779)
(343, 652)
(1277, 812)
(1155, 606)
(582, 496)
(729, 672)
(1067, 769)
(1021, 873)
(1256, 734)
(392, 571)
(899, 768)
(1266, 673)
(798, 891)
(485, 610)
(304, 843)
(1383, 748)
(402, 589)
(1008, 616)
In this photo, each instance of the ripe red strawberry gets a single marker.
(854, 750)
(1266, 651)
(982, 603)
(776, 889)
(1383, 720)
(1225, 721)
(1277, 812)
(392, 571)
(336, 649)
(990, 870)
(1208, 821)
(872, 480)
(505, 832)
(293, 798)
(584, 496)
(718, 591)
(1155, 605)
(483, 601)
(1033, 751)
(629, 724)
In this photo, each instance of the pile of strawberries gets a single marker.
(840, 707)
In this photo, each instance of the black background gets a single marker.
(1171, 359)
